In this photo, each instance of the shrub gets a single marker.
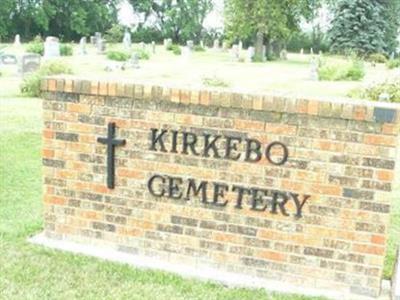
(377, 58)
(142, 54)
(393, 63)
(118, 55)
(66, 50)
(31, 85)
(198, 48)
(215, 81)
(115, 34)
(175, 49)
(373, 92)
(347, 72)
(35, 47)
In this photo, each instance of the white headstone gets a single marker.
(17, 40)
(225, 45)
(201, 44)
(153, 47)
(30, 63)
(250, 54)
(314, 69)
(82, 46)
(216, 44)
(283, 54)
(302, 51)
(264, 53)
(127, 41)
(190, 44)
(186, 53)
(312, 51)
(167, 43)
(235, 52)
(100, 45)
(51, 47)
(240, 46)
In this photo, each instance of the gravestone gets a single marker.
(302, 51)
(202, 44)
(92, 40)
(127, 41)
(82, 46)
(167, 43)
(186, 53)
(240, 45)
(250, 54)
(311, 51)
(392, 56)
(100, 45)
(190, 44)
(235, 53)
(8, 59)
(51, 47)
(17, 40)
(320, 53)
(264, 53)
(30, 63)
(216, 44)
(153, 47)
(135, 61)
(225, 45)
(314, 69)
(283, 54)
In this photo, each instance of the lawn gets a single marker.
(34, 272)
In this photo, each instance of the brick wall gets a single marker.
(341, 166)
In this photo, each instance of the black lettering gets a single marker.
(299, 205)
(284, 157)
(241, 191)
(208, 145)
(231, 145)
(189, 142)
(174, 141)
(219, 191)
(157, 139)
(195, 190)
(173, 187)
(151, 187)
(256, 199)
(279, 199)
(253, 147)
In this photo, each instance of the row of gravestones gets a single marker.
(28, 63)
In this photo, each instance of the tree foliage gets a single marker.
(274, 20)
(180, 20)
(66, 19)
(365, 26)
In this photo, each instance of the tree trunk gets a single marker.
(259, 45)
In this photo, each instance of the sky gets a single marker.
(213, 20)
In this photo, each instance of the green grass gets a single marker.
(28, 271)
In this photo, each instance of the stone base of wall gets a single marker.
(100, 249)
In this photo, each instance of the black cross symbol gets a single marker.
(111, 143)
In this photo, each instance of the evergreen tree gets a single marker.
(363, 27)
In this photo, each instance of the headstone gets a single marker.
(127, 41)
(216, 44)
(302, 51)
(30, 63)
(186, 53)
(82, 46)
(384, 97)
(100, 45)
(167, 43)
(17, 40)
(314, 69)
(250, 54)
(202, 44)
(396, 278)
(283, 54)
(93, 40)
(8, 59)
(311, 51)
(240, 45)
(320, 53)
(264, 53)
(135, 61)
(153, 47)
(225, 45)
(235, 52)
(51, 47)
(392, 56)
(190, 45)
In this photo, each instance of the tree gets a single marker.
(180, 20)
(365, 26)
(270, 20)
(66, 19)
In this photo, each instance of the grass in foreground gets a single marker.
(33, 272)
